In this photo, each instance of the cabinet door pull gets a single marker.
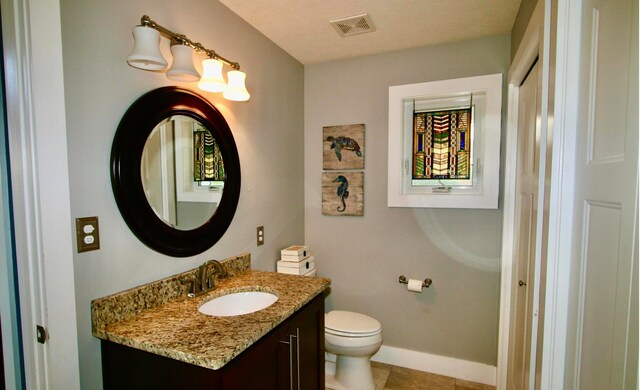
(297, 336)
(291, 362)
(290, 344)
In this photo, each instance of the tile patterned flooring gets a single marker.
(389, 377)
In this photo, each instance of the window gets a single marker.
(442, 152)
(444, 143)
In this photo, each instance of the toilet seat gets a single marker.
(353, 343)
(351, 334)
(350, 324)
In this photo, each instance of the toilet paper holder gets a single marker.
(403, 279)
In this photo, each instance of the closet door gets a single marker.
(528, 171)
(603, 345)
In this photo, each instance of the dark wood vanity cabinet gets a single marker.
(301, 350)
(291, 356)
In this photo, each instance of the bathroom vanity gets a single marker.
(153, 336)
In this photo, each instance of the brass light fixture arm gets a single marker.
(181, 38)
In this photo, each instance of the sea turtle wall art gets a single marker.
(343, 147)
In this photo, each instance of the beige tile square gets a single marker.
(466, 385)
(381, 373)
(402, 378)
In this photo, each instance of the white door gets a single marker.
(36, 128)
(528, 164)
(603, 321)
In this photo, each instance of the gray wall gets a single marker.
(100, 86)
(520, 25)
(458, 249)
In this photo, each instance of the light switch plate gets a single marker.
(87, 234)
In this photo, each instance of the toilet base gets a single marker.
(352, 373)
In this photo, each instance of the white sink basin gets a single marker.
(237, 304)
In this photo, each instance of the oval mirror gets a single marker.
(175, 171)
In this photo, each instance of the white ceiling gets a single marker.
(301, 27)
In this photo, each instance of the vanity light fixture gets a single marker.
(182, 68)
(235, 88)
(146, 50)
(146, 55)
(212, 80)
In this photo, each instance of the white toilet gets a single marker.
(353, 338)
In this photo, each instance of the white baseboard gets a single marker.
(441, 365)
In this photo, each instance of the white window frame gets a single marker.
(482, 193)
(188, 190)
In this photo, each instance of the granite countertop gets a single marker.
(176, 329)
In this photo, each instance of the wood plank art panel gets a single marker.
(343, 193)
(343, 147)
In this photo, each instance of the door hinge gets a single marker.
(41, 334)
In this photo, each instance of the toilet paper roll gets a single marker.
(414, 285)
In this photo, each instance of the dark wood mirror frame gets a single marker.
(126, 156)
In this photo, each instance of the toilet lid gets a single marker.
(350, 323)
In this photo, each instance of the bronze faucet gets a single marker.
(204, 280)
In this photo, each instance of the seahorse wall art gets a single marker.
(343, 193)
(343, 147)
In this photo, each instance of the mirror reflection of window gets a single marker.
(207, 159)
(171, 158)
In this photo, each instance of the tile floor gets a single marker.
(389, 377)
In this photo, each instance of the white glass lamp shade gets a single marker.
(212, 80)
(146, 49)
(235, 87)
(182, 68)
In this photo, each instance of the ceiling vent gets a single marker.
(353, 25)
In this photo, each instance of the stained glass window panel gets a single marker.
(441, 145)
(207, 158)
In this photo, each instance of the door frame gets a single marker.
(569, 14)
(534, 45)
(10, 351)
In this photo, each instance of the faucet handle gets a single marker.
(193, 285)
